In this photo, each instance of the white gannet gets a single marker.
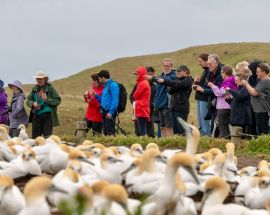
(11, 198)
(216, 190)
(24, 165)
(35, 195)
(192, 135)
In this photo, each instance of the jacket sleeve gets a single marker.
(131, 99)
(19, 107)
(30, 99)
(3, 99)
(240, 94)
(114, 89)
(53, 98)
(218, 91)
(179, 84)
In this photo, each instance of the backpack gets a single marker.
(122, 98)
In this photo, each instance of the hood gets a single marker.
(17, 95)
(141, 71)
(229, 82)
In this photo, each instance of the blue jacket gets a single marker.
(110, 97)
(161, 97)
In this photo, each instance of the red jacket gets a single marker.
(142, 95)
(93, 109)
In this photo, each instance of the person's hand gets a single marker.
(197, 78)
(160, 80)
(148, 77)
(194, 86)
(35, 105)
(210, 84)
(86, 93)
(227, 88)
(109, 116)
(244, 82)
(199, 89)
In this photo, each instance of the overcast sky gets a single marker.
(63, 37)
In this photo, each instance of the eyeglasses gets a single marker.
(166, 65)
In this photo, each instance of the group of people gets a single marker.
(227, 99)
(43, 101)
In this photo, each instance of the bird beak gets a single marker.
(53, 188)
(131, 167)
(161, 159)
(2, 192)
(83, 159)
(185, 125)
(114, 160)
(139, 151)
(205, 196)
(193, 174)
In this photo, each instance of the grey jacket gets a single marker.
(18, 114)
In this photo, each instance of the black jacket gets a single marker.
(180, 90)
(198, 95)
(240, 107)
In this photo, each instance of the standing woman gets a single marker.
(142, 100)
(222, 106)
(43, 101)
(17, 114)
(93, 115)
(3, 105)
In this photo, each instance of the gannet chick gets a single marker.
(35, 192)
(23, 135)
(11, 198)
(193, 136)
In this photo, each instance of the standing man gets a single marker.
(162, 98)
(260, 97)
(180, 89)
(213, 76)
(201, 98)
(43, 101)
(150, 125)
(108, 102)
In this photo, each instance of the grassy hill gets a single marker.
(73, 87)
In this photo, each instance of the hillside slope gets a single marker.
(72, 88)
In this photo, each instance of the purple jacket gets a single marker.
(3, 107)
(220, 93)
